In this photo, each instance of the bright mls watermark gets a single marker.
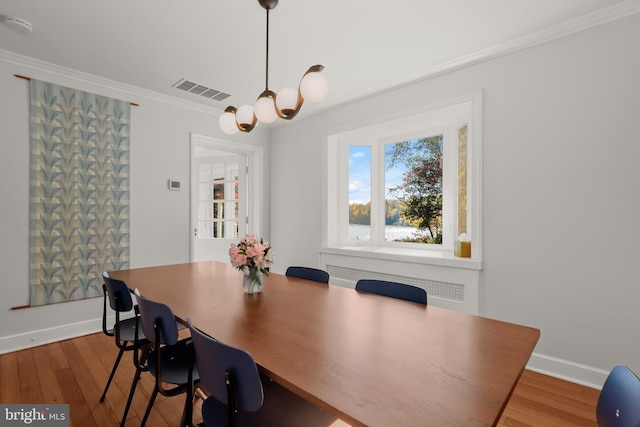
(38, 415)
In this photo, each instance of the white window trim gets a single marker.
(334, 192)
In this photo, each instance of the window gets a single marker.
(405, 182)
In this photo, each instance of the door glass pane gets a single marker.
(359, 192)
(204, 210)
(218, 229)
(204, 230)
(233, 229)
(203, 190)
(204, 173)
(218, 210)
(218, 190)
(217, 170)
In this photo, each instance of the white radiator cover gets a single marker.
(446, 286)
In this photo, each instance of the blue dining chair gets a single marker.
(170, 360)
(393, 289)
(120, 301)
(619, 401)
(308, 273)
(240, 396)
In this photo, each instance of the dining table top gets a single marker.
(369, 360)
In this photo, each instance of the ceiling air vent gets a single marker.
(198, 89)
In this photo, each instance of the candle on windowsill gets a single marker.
(462, 247)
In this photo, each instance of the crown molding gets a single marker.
(581, 23)
(572, 26)
(131, 91)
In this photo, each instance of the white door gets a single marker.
(220, 205)
(226, 195)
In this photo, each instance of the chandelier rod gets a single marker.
(266, 73)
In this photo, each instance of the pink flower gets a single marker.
(237, 259)
(251, 252)
(249, 239)
(256, 250)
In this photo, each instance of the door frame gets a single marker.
(255, 182)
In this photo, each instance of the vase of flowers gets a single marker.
(251, 280)
(252, 256)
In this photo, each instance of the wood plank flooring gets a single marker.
(75, 372)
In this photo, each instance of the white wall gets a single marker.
(560, 191)
(160, 229)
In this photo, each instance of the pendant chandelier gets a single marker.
(313, 88)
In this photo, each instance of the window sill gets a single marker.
(417, 256)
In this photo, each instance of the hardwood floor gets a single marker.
(75, 372)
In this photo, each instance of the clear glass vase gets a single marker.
(252, 280)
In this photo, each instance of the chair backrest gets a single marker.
(215, 358)
(118, 294)
(308, 273)
(393, 289)
(151, 313)
(619, 401)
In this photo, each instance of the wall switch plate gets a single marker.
(174, 185)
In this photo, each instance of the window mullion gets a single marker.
(340, 204)
(377, 194)
(449, 188)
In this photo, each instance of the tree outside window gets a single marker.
(417, 199)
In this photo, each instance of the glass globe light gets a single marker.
(244, 115)
(314, 87)
(287, 99)
(227, 123)
(265, 110)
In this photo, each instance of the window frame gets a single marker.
(413, 126)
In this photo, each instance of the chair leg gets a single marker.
(134, 383)
(187, 413)
(150, 405)
(113, 371)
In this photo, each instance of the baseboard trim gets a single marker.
(566, 370)
(18, 342)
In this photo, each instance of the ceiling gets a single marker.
(366, 46)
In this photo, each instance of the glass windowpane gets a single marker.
(203, 191)
(462, 180)
(204, 174)
(218, 210)
(218, 229)
(217, 171)
(204, 230)
(359, 192)
(218, 190)
(204, 210)
(413, 190)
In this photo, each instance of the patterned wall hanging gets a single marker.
(79, 192)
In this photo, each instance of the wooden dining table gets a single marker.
(369, 360)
